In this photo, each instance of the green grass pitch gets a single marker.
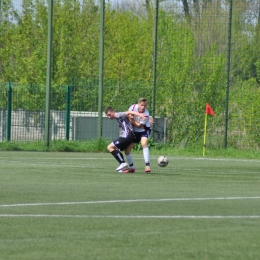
(76, 206)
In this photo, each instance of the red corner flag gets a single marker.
(209, 110)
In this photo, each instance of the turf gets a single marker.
(76, 206)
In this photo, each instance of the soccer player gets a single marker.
(126, 137)
(142, 130)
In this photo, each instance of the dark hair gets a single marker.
(142, 99)
(109, 109)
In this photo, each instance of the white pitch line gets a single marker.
(221, 159)
(129, 217)
(126, 201)
(137, 158)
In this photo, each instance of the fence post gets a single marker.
(228, 71)
(155, 59)
(48, 75)
(68, 93)
(101, 67)
(9, 112)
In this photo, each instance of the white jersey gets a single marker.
(145, 121)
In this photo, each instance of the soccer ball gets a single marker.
(162, 161)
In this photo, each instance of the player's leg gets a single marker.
(128, 150)
(129, 158)
(115, 151)
(146, 153)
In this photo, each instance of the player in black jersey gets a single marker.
(126, 136)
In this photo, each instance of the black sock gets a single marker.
(118, 156)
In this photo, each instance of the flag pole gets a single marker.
(210, 111)
(205, 133)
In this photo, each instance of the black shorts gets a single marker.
(121, 143)
(139, 135)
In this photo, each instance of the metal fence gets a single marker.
(73, 114)
(179, 54)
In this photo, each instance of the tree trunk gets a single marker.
(186, 10)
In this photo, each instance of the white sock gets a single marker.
(146, 153)
(129, 159)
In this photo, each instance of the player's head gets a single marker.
(130, 117)
(142, 104)
(110, 113)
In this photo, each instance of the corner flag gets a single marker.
(209, 110)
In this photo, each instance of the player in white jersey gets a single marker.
(127, 136)
(142, 130)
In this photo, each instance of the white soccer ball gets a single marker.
(162, 161)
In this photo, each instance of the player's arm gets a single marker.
(151, 120)
(141, 115)
(133, 122)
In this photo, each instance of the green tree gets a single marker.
(186, 81)
(7, 31)
(128, 46)
(75, 41)
(29, 44)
